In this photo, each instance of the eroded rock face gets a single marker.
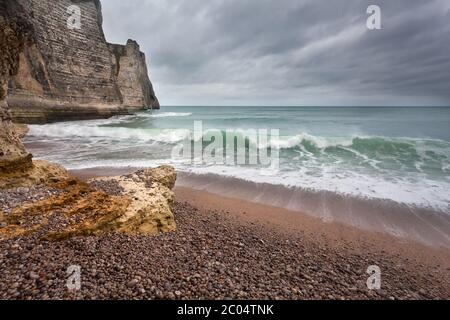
(150, 201)
(139, 203)
(13, 32)
(132, 76)
(33, 173)
(16, 165)
(72, 74)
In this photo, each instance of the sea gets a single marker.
(380, 168)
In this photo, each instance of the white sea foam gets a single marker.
(318, 163)
(168, 114)
(70, 131)
(406, 190)
(319, 142)
(427, 193)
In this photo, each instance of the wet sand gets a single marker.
(329, 233)
(272, 252)
(225, 248)
(423, 225)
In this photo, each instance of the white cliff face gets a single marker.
(71, 74)
(132, 76)
(51, 72)
(12, 153)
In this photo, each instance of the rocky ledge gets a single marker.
(61, 207)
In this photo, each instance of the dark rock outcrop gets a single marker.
(72, 74)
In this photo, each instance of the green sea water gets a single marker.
(387, 153)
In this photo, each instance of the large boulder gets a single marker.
(140, 203)
(150, 201)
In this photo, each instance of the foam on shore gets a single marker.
(401, 220)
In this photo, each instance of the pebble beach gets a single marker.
(216, 254)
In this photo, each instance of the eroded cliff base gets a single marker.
(26, 111)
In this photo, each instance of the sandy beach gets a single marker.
(226, 248)
(330, 234)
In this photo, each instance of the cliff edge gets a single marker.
(73, 73)
(35, 195)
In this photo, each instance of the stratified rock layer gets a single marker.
(16, 166)
(139, 203)
(34, 173)
(72, 74)
(13, 32)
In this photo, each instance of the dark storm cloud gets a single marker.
(289, 52)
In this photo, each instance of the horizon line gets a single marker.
(309, 106)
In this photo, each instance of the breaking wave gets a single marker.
(169, 114)
(418, 155)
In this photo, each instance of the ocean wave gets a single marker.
(168, 114)
(305, 138)
(418, 151)
(374, 142)
(370, 149)
(326, 142)
(71, 131)
(286, 142)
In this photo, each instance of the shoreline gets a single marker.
(331, 234)
(225, 248)
(401, 222)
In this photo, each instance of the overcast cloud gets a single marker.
(289, 52)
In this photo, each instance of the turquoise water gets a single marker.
(396, 154)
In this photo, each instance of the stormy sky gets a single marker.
(289, 52)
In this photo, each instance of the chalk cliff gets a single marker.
(13, 30)
(35, 79)
(71, 74)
